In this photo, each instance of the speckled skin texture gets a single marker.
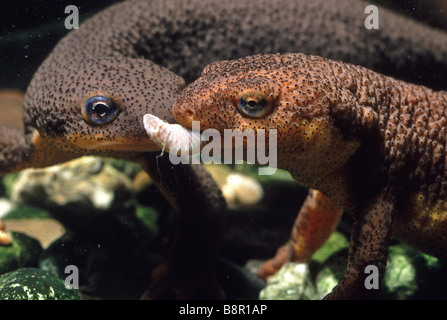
(185, 36)
(374, 145)
(110, 64)
(125, 53)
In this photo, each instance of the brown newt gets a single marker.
(89, 95)
(372, 144)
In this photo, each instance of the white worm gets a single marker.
(172, 137)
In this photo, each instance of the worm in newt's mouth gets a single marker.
(172, 138)
(180, 141)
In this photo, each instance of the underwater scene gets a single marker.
(248, 150)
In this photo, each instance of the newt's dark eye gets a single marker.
(253, 105)
(99, 110)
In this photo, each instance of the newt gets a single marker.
(133, 58)
(374, 145)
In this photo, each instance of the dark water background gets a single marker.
(30, 29)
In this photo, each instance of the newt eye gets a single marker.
(99, 110)
(253, 105)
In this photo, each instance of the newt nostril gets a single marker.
(188, 113)
(183, 114)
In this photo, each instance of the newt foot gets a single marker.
(272, 266)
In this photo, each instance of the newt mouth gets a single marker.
(99, 144)
(172, 137)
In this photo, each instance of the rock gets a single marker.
(330, 263)
(76, 191)
(295, 281)
(22, 212)
(400, 276)
(7, 183)
(330, 272)
(24, 251)
(254, 229)
(141, 181)
(107, 232)
(5, 207)
(34, 284)
(291, 282)
(44, 230)
(219, 172)
(241, 191)
(409, 273)
(336, 242)
(111, 265)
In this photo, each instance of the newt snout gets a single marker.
(186, 113)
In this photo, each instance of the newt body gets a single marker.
(90, 94)
(374, 145)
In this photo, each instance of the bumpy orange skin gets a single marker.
(373, 144)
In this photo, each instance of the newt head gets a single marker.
(290, 93)
(94, 106)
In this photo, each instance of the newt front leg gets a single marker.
(368, 247)
(189, 271)
(317, 219)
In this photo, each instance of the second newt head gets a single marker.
(294, 94)
(94, 105)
